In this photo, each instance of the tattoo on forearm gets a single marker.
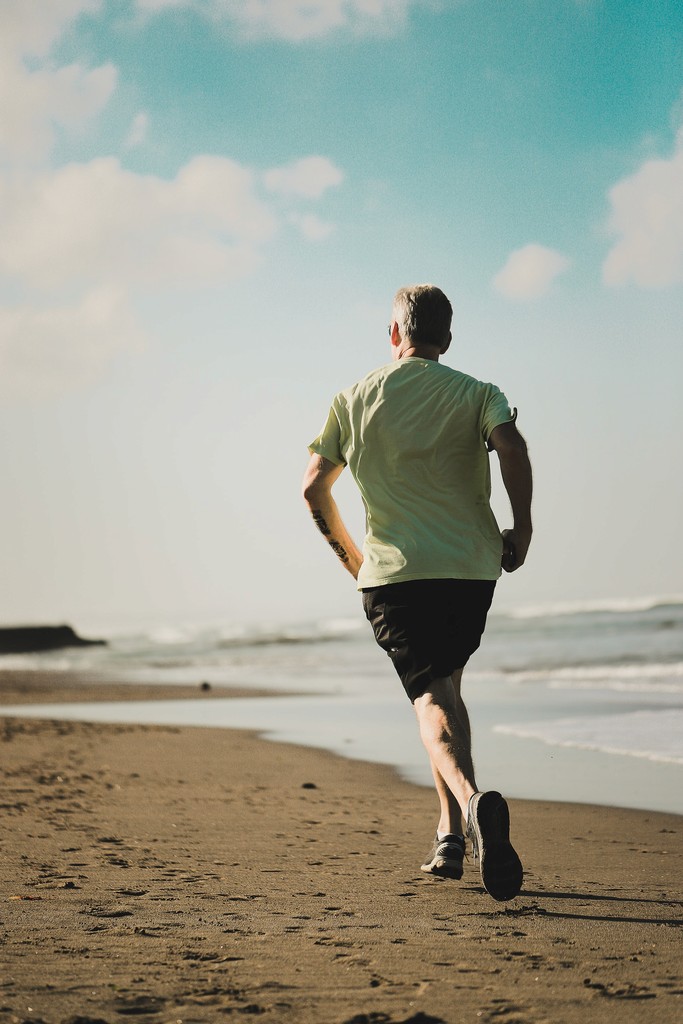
(339, 551)
(319, 521)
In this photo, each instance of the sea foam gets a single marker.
(654, 735)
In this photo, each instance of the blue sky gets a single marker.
(205, 209)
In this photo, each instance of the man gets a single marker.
(415, 435)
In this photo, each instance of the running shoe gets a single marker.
(446, 857)
(488, 826)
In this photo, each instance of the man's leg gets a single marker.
(443, 710)
(445, 731)
(450, 820)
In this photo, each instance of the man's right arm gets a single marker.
(515, 469)
(319, 478)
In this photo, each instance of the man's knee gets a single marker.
(435, 714)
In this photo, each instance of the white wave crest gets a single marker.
(606, 604)
(653, 735)
(653, 677)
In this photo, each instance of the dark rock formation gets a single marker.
(29, 639)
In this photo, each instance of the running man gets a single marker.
(416, 435)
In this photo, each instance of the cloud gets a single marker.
(97, 221)
(294, 20)
(31, 27)
(308, 178)
(312, 227)
(44, 351)
(647, 220)
(83, 225)
(138, 130)
(529, 272)
(33, 104)
(100, 234)
(94, 221)
(36, 100)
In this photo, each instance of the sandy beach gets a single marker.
(189, 875)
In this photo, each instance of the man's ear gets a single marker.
(395, 335)
(445, 347)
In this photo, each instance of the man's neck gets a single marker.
(420, 352)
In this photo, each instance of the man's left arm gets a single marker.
(319, 478)
(515, 469)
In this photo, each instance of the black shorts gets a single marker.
(429, 628)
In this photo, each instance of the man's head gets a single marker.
(423, 316)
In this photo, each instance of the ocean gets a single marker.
(582, 703)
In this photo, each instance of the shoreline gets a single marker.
(188, 874)
(342, 723)
(38, 686)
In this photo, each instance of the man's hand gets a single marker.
(515, 546)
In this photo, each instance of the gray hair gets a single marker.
(423, 314)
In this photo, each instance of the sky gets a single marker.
(206, 207)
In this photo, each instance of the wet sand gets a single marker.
(34, 687)
(198, 875)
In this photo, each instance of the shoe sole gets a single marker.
(489, 829)
(443, 868)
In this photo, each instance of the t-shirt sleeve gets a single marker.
(495, 410)
(328, 441)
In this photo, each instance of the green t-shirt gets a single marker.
(414, 434)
